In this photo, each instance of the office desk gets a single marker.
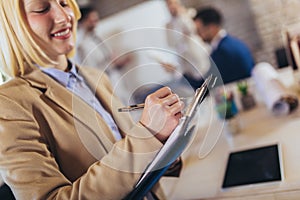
(203, 172)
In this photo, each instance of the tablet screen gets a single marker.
(251, 166)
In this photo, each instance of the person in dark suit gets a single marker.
(231, 56)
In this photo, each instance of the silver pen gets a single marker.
(137, 106)
(208, 84)
(132, 107)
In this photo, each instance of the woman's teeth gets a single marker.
(62, 33)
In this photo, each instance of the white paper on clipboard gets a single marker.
(180, 137)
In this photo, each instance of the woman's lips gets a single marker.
(62, 34)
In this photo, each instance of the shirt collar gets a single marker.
(61, 76)
(217, 39)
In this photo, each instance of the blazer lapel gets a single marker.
(100, 85)
(93, 79)
(72, 104)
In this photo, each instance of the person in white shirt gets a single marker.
(189, 61)
(182, 36)
(93, 51)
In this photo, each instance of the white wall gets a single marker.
(149, 14)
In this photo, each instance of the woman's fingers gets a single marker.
(162, 112)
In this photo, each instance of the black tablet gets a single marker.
(257, 165)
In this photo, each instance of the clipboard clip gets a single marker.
(200, 94)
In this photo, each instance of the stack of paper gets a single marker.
(277, 98)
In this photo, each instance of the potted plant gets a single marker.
(227, 110)
(247, 99)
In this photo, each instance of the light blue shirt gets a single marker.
(75, 83)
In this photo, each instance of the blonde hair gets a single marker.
(19, 50)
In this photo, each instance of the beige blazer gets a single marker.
(54, 146)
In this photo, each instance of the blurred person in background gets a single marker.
(191, 55)
(231, 56)
(183, 38)
(91, 50)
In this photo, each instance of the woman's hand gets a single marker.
(162, 112)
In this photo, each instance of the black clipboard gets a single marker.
(174, 146)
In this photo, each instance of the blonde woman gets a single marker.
(60, 134)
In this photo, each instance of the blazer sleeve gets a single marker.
(28, 166)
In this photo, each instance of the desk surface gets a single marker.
(206, 157)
